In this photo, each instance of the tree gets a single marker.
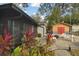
(45, 8)
(54, 17)
(36, 17)
(66, 19)
(67, 10)
(73, 19)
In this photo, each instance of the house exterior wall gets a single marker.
(35, 30)
(13, 19)
(55, 28)
(17, 28)
(40, 30)
(75, 28)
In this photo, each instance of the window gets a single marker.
(10, 26)
(32, 29)
(25, 28)
(1, 27)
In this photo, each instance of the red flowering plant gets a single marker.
(7, 37)
(28, 38)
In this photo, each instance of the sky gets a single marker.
(32, 9)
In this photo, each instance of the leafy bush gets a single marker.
(39, 34)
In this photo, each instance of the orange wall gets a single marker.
(55, 27)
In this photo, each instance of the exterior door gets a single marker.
(61, 30)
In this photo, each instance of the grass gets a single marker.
(74, 52)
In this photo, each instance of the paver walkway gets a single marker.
(62, 53)
(61, 46)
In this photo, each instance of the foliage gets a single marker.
(41, 51)
(17, 51)
(73, 19)
(60, 12)
(45, 8)
(54, 17)
(36, 17)
(39, 34)
(33, 51)
(75, 5)
(63, 6)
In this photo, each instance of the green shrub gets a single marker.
(39, 34)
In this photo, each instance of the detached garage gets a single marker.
(61, 28)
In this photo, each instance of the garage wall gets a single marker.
(55, 28)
